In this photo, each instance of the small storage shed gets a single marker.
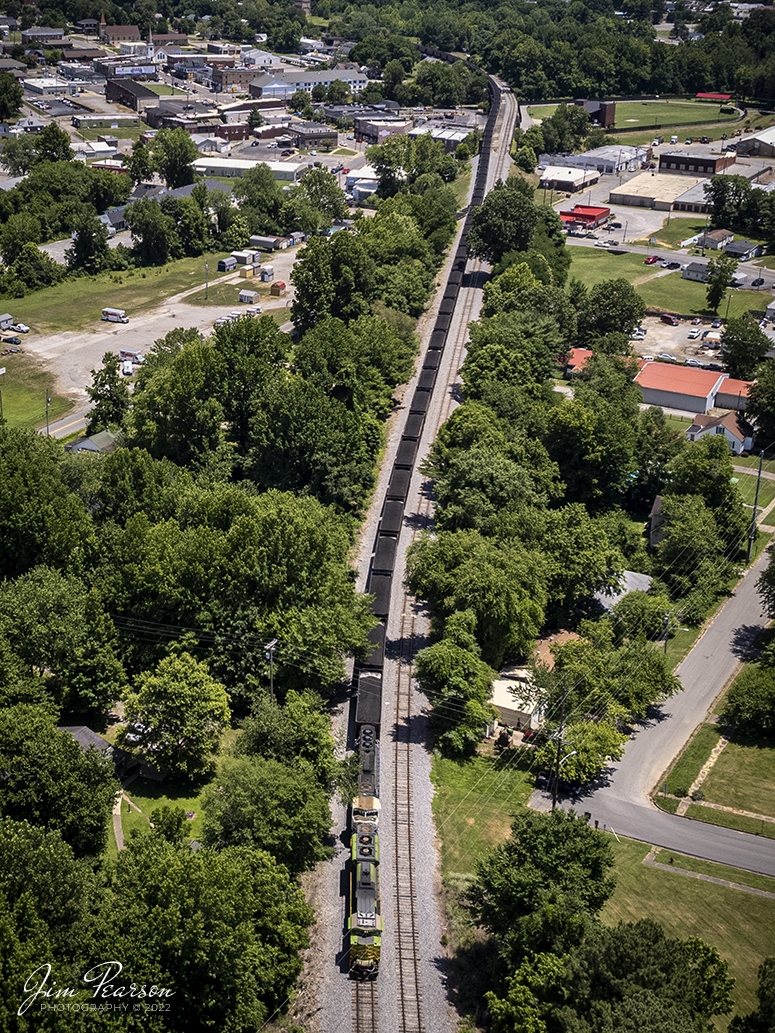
(6, 321)
(226, 265)
(247, 297)
(267, 273)
(277, 289)
(243, 257)
(246, 272)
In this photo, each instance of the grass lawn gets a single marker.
(667, 803)
(718, 871)
(731, 821)
(688, 297)
(740, 925)
(688, 766)
(122, 133)
(474, 805)
(148, 795)
(677, 228)
(346, 151)
(651, 114)
(77, 304)
(228, 294)
(593, 265)
(743, 777)
(23, 389)
(461, 185)
(162, 89)
(679, 644)
(679, 423)
(753, 462)
(747, 484)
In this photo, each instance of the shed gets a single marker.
(104, 441)
(243, 257)
(678, 387)
(6, 321)
(510, 695)
(267, 273)
(247, 297)
(227, 264)
(277, 289)
(246, 272)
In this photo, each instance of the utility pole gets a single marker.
(666, 626)
(207, 281)
(752, 535)
(269, 649)
(559, 745)
(1, 397)
(48, 403)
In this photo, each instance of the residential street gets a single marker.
(622, 804)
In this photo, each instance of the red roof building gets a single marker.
(577, 357)
(587, 216)
(714, 96)
(733, 394)
(679, 387)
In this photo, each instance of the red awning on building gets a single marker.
(714, 96)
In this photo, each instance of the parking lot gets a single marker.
(663, 340)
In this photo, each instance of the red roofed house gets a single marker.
(679, 387)
(586, 216)
(738, 433)
(577, 357)
(733, 394)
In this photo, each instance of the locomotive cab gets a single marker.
(365, 924)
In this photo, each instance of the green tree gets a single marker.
(18, 154)
(56, 625)
(11, 96)
(763, 1019)
(298, 730)
(392, 76)
(224, 929)
(52, 783)
(154, 235)
(53, 144)
(549, 860)
(176, 715)
(270, 806)
(503, 223)
(761, 402)
(502, 293)
(20, 229)
(41, 521)
(89, 251)
(720, 274)
(594, 743)
(458, 684)
(261, 199)
(518, 348)
(332, 277)
(255, 118)
(173, 153)
(140, 163)
(36, 269)
(692, 558)
(743, 346)
(612, 306)
(108, 394)
(750, 703)
(526, 159)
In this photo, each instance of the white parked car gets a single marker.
(20, 328)
(127, 369)
(694, 334)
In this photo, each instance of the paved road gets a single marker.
(623, 804)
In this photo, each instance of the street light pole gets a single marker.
(269, 649)
(48, 403)
(207, 281)
(752, 535)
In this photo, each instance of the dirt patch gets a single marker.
(543, 650)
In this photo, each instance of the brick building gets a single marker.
(683, 163)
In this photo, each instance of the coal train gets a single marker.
(365, 922)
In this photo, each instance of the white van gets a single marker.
(115, 315)
(127, 369)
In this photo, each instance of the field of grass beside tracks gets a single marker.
(651, 114)
(23, 387)
(77, 304)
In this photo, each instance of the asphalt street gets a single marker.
(622, 803)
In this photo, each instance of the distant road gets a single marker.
(623, 803)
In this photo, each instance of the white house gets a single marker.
(511, 696)
(738, 433)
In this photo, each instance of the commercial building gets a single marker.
(43, 35)
(131, 94)
(285, 85)
(312, 134)
(370, 129)
(609, 160)
(760, 145)
(652, 190)
(118, 68)
(88, 121)
(733, 394)
(283, 171)
(567, 180)
(682, 163)
(447, 136)
(87, 26)
(585, 216)
(50, 87)
(678, 387)
(601, 111)
(238, 78)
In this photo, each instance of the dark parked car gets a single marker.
(757, 282)
(715, 367)
(716, 324)
(12, 340)
(673, 265)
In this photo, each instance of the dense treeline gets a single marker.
(552, 49)
(539, 498)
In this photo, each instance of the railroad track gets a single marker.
(365, 1007)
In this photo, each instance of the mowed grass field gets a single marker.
(669, 293)
(23, 389)
(743, 777)
(651, 113)
(675, 229)
(474, 805)
(77, 304)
